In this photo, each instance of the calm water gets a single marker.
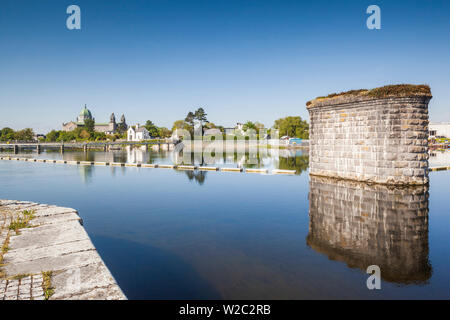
(167, 234)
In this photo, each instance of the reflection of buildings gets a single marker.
(86, 173)
(439, 158)
(112, 156)
(137, 155)
(364, 225)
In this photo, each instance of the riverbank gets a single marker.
(47, 254)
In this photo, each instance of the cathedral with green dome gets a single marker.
(109, 128)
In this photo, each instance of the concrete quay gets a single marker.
(47, 255)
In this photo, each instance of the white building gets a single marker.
(137, 133)
(439, 129)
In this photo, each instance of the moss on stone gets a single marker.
(399, 90)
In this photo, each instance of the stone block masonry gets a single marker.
(379, 138)
(49, 255)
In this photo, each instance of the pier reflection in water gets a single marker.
(286, 159)
(363, 225)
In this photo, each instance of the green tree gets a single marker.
(24, 135)
(200, 115)
(249, 125)
(210, 125)
(164, 132)
(293, 127)
(179, 124)
(89, 125)
(52, 136)
(85, 135)
(190, 119)
(182, 124)
(152, 129)
(7, 134)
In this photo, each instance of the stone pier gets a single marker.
(378, 135)
(47, 254)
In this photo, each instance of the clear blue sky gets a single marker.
(240, 60)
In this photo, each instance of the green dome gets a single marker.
(85, 113)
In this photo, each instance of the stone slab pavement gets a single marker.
(52, 257)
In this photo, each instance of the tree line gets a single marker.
(292, 126)
(8, 134)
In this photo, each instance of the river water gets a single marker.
(168, 234)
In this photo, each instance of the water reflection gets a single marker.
(197, 176)
(364, 225)
(288, 159)
(86, 173)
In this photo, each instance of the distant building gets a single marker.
(439, 129)
(108, 128)
(138, 133)
(39, 136)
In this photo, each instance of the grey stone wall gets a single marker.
(364, 225)
(372, 140)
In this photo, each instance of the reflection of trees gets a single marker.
(198, 176)
(364, 225)
(298, 163)
(86, 173)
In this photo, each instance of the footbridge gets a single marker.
(106, 146)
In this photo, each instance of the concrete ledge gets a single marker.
(132, 164)
(87, 163)
(170, 166)
(98, 163)
(186, 167)
(208, 168)
(117, 164)
(231, 169)
(167, 166)
(280, 171)
(149, 165)
(256, 170)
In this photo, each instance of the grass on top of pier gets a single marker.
(399, 90)
(4, 249)
(22, 220)
(47, 284)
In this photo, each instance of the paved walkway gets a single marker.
(47, 254)
(28, 288)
